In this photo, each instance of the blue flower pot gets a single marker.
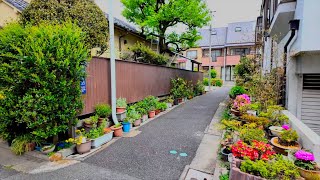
(126, 126)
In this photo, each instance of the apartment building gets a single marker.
(228, 45)
(287, 34)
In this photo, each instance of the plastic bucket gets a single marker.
(126, 126)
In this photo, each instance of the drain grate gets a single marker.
(198, 175)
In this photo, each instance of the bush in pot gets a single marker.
(241, 100)
(288, 140)
(91, 122)
(121, 105)
(103, 111)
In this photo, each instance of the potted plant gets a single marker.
(90, 122)
(151, 101)
(135, 117)
(169, 101)
(241, 100)
(48, 148)
(117, 128)
(288, 140)
(257, 151)
(152, 112)
(126, 124)
(158, 108)
(23, 144)
(103, 111)
(83, 144)
(121, 105)
(98, 136)
(225, 152)
(305, 163)
(65, 148)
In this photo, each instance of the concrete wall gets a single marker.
(307, 138)
(7, 13)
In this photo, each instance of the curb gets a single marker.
(210, 131)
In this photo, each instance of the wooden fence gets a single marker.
(135, 81)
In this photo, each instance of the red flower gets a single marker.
(258, 150)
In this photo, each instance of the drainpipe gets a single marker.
(294, 26)
(120, 48)
(112, 63)
(224, 64)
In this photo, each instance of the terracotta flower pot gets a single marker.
(120, 109)
(157, 111)
(308, 174)
(152, 114)
(100, 121)
(137, 123)
(118, 132)
(179, 100)
(84, 147)
(278, 148)
(87, 125)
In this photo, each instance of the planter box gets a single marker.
(121, 116)
(237, 174)
(102, 140)
(68, 151)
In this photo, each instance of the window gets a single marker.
(215, 53)
(192, 54)
(240, 51)
(237, 29)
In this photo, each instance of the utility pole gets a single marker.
(210, 56)
(112, 63)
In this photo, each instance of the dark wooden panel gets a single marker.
(135, 81)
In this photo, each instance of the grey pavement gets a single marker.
(146, 156)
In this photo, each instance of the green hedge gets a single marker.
(144, 54)
(40, 70)
(214, 82)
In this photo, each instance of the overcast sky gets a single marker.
(227, 11)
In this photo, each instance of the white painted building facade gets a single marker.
(303, 57)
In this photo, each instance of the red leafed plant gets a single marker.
(258, 150)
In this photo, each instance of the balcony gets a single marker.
(285, 12)
(230, 60)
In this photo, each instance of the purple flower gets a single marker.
(286, 127)
(304, 155)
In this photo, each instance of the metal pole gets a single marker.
(224, 64)
(210, 57)
(112, 64)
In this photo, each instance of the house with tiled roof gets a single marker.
(126, 35)
(228, 45)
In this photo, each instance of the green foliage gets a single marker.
(261, 121)
(95, 132)
(244, 70)
(275, 115)
(20, 144)
(151, 102)
(236, 90)
(85, 13)
(142, 107)
(224, 176)
(307, 165)
(232, 125)
(226, 114)
(248, 135)
(40, 70)
(179, 88)
(157, 17)
(122, 102)
(206, 81)
(133, 114)
(289, 137)
(198, 88)
(213, 73)
(161, 106)
(103, 110)
(144, 54)
(278, 168)
(117, 125)
(216, 82)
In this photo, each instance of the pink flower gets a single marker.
(304, 155)
(286, 127)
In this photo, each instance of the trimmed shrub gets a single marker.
(213, 73)
(142, 53)
(40, 70)
(206, 81)
(236, 90)
(217, 82)
(85, 13)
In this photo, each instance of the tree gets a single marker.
(40, 72)
(85, 13)
(157, 17)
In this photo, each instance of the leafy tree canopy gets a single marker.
(156, 17)
(85, 13)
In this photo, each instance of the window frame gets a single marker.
(196, 54)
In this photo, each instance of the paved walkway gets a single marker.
(147, 155)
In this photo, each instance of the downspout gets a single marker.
(120, 48)
(294, 26)
(112, 64)
(224, 64)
